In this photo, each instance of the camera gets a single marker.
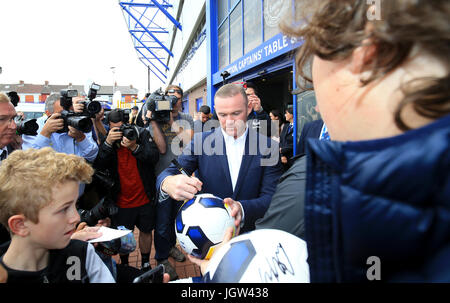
(129, 131)
(79, 121)
(91, 107)
(104, 209)
(160, 105)
(28, 127)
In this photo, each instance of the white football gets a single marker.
(260, 256)
(201, 223)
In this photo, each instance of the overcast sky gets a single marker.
(64, 41)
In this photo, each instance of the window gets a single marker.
(222, 10)
(42, 98)
(244, 24)
(199, 103)
(236, 33)
(252, 24)
(274, 11)
(29, 98)
(223, 45)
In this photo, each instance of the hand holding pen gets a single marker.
(182, 186)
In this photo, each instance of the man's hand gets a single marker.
(284, 159)
(114, 135)
(76, 134)
(236, 212)
(181, 187)
(148, 115)
(255, 101)
(77, 106)
(53, 124)
(130, 144)
(99, 116)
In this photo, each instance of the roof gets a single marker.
(27, 88)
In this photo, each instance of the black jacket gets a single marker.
(254, 121)
(287, 141)
(147, 155)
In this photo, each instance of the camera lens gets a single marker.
(94, 107)
(81, 123)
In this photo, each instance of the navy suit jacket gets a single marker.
(258, 175)
(310, 130)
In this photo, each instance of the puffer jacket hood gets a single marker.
(386, 198)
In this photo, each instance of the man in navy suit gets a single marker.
(311, 129)
(233, 162)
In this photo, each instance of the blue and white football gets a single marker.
(201, 223)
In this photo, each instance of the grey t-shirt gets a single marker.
(286, 210)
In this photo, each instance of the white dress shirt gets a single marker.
(235, 150)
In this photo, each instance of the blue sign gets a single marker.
(278, 45)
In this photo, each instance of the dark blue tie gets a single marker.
(3, 155)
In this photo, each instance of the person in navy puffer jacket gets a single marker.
(377, 197)
(374, 202)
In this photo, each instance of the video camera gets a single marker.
(80, 121)
(28, 127)
(160, 105)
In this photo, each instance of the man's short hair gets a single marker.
(174, 87)
(290, 109)
(252, 85)
(50, 102)
(27, 178)
(230, 90)
(116, 115)
(204, 109)
(4, 98)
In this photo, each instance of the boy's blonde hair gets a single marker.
(27, 178)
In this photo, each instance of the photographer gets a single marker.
(72, 141)
(130, 155)
(177, 128)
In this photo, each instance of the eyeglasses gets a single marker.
(175, 91)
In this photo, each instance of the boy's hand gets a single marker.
(86, 233)
(4, 275)
(204, 263)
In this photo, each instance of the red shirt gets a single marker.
(132, 192)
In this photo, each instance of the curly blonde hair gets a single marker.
(27, 178)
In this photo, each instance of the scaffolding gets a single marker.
(148, 24)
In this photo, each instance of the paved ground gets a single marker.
(184, 269)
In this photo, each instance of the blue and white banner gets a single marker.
(278, 45)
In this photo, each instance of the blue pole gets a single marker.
(162, 9)
(156, 57)
(212, 49)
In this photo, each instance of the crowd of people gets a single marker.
(371, 178)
